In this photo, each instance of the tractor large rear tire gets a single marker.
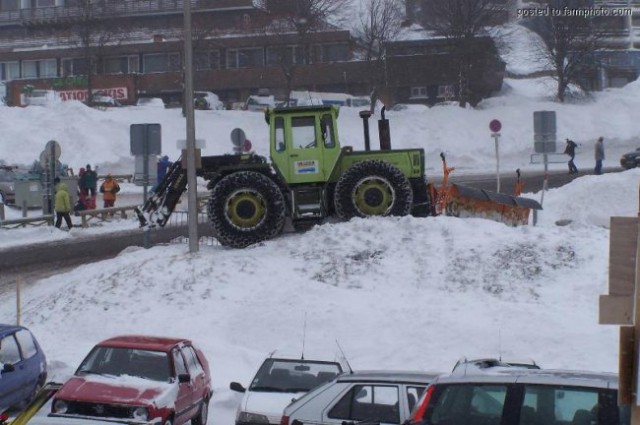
(373, 187)
(246, 208)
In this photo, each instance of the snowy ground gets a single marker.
(397, 293)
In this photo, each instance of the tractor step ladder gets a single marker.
(307, 202)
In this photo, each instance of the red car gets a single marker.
(139, 379)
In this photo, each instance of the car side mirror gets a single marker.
(236, 386)
(184, 378)
(8, 368)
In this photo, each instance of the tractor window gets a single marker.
(327, 131)
(303, 132)
(279, 134)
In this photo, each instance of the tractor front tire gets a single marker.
(373, 188)
(245, 208)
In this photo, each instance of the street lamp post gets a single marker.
(192, 193)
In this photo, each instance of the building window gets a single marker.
(39, 68)
(76, 66)
(121, 65)
(445, 91)
(9, 71)
(206, 60)
(245, 58)
(45, 3)
(419, 93)
(8, 5)
(333, 53)
(284, 55)
(161, 62)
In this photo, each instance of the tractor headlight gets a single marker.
(140, 413)
(252, 418)
(60, 406)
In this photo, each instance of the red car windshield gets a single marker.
(153, 365)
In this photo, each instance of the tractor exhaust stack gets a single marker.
(365, 115)
(384, 131)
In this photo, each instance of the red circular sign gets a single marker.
(246, 146)
(495, 126)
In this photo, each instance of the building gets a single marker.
(134, 48)
(616, 60)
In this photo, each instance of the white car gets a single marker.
(207, 100)
(150, 102)
(260, 103)
(278, 382)
(385, 397)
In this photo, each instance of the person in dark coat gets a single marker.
(570, 150)
(89, 183)
(63, 205)
(599, 155)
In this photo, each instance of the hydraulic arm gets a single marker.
(158, 208)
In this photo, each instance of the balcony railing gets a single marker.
(121, 8)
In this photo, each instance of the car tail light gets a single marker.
(4, 418)
(418, 415)
(284, 420)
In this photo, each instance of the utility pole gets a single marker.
(192, 192)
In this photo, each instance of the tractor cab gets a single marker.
(304, 144)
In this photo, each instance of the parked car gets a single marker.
(139, 378)
(23, 366)
(99, 100)
(277, 382)
(7, 184)
(259, 103)
(375, 396)
(206, 100)
(39, 97)
(38, 412)
(150, 102)
(631, 159)
(481, 392)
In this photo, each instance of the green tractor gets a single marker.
(310, 177)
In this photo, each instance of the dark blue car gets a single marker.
(23, 366)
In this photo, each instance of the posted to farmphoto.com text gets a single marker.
(570, 11)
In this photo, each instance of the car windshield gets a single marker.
(280, 375)
(153, 365)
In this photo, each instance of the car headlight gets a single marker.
(140, 413)
(60, 406)
(254, 418)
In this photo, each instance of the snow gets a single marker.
(396, 293)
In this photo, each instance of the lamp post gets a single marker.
(192, 193)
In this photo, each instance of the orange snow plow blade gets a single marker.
(465, 201)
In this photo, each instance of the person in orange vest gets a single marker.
(109, 188)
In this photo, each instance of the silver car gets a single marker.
(386, 397)
(494, 392)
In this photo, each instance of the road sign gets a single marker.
(238, 137)
(146, 139)
(495, 126)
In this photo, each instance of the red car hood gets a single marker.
(120, 390)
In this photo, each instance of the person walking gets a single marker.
(109, 188)
(570, 150)
(63, 205)
(89, 183)
(599, 155)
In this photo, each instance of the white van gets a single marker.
(277, 382)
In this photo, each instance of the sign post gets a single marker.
(146, 140)
(495, 126)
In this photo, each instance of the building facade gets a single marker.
(134, 48)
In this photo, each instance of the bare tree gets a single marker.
(92, 31)
(570, 41)
(462, 22)
(380, 22)
(293, 27)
